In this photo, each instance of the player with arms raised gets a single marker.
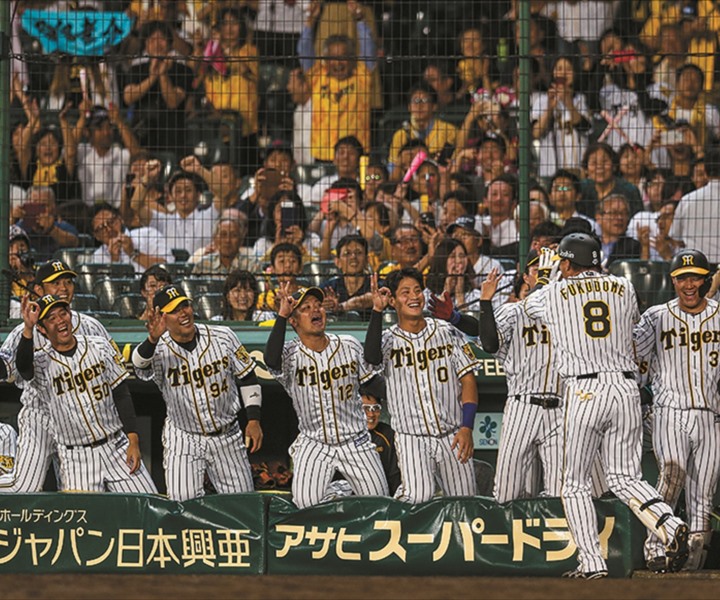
(195, 366)
(431, 390)
(591, 317)
(322, 373)
(81, 381)
(36, 445)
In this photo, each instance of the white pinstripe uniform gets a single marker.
(324, 387)
(201, 432)
(591, 319)
(77, 391)
(682, 351)
(36, 444)
(528, 427)
(423, 372)
(8, 450)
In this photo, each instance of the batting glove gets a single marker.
(442, 308)
(547, 266)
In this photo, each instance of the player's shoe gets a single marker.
(657, 564)
(580, 574)
(677, 551)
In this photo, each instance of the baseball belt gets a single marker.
(625, 374)
(544, 401)
(95, 444)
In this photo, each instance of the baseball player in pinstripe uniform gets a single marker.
(81, 381)
(194, 366)
(680, 342)
(8, 449)
(322, 373)
(431, 390)
(591, 317)
(529, 459)
(36, 445)
(532, 418)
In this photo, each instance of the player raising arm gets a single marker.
(322, 373)
(36, 444)
(194, 366)
(591, 317)
(431, 390)
(81, 380)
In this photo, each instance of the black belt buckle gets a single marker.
(545, 401)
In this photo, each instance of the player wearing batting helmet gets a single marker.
(591, 317)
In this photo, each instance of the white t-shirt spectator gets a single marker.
(147, 240)
(102, 177)
(190, 233)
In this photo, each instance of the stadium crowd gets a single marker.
(216, 135)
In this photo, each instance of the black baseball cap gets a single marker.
(464, 222)
(169, 298)
(689, 261)
(48, 302)
(303, 293)
(52, 270)
(98, 115)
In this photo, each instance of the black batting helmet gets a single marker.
(581, 249)
(689, 261)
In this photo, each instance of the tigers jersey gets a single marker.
(590, 318)
(438, 134)
(422, 372)
(77, 389)
(237, 90)
(339, 109)
(81, 325)
(682, 352)
(197, 385)
(526, 352)
(324, 387)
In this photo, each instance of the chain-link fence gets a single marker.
(241, 144)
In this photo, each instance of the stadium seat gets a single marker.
(177, 270)
(318, 272)
(310, 174)
(129, 306)
(195, 287)
(208, 305)
(104, 315)
(89, 273)
(168, 162)
(180, 255)
(73, 256)
(108, 289)
(85, 303)
(650, 278)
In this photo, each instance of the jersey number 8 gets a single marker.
(597, 318)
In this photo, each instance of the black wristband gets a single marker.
(253, 413)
